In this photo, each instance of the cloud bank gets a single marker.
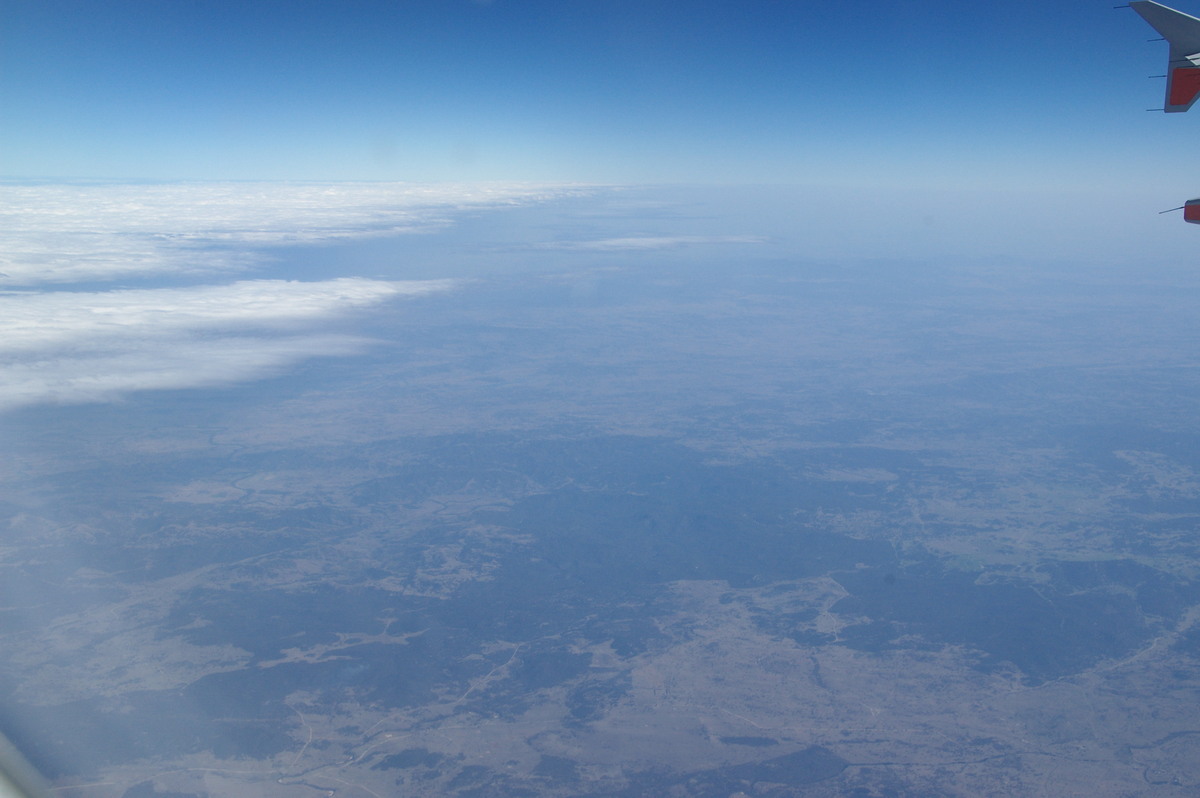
(98, 231)
(158, 365)
(87, 320)
(71, 347)
(63, 341)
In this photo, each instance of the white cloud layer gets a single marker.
(89, 320)
(70, 346)
(99, 231)
(165, 363)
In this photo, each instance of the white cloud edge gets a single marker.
(65, 346)
(69, 347)
(35, 321)
(64, 233)
(170, 363)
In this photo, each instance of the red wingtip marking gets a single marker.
(1185, 85)
(1191, 211)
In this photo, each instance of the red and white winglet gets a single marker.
(1182, 32)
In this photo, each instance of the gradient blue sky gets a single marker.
(939, 94)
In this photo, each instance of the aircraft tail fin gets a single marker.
(1182, 32)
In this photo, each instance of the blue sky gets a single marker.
(937, 94)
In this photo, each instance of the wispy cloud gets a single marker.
(64, 345)
(90, 232)
(647, 243)
(71, 347)
(158, 365)
(35, 321)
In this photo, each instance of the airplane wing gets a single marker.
(1182, 32)
(18, 779)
